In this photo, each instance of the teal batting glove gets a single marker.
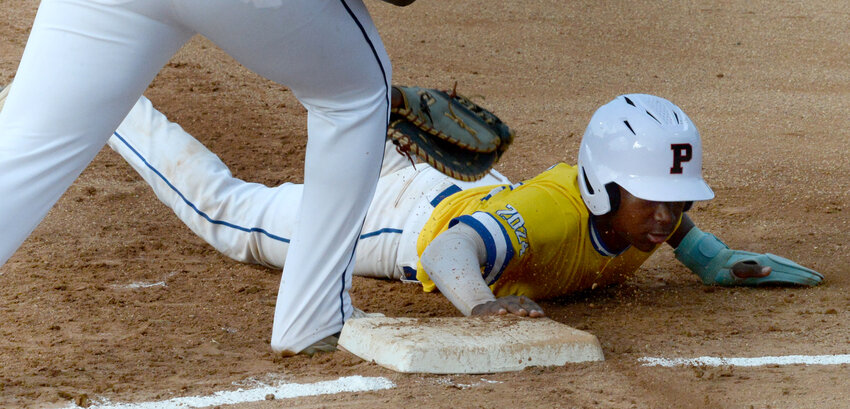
(712, 261)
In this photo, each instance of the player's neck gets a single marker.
(609, 237)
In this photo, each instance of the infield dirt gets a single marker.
(766, 82)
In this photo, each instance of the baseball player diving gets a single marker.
(491, 247)
(87, 62)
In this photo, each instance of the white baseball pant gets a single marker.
(253, 223)
(87, 62)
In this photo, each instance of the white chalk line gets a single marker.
(138, 284)
(756, 361)
(142, 285)
(280, 391)
(450, 382)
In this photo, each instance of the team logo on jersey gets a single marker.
(517, 223)
(682, 152)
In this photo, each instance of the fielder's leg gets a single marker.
(84, 66)
(329, 53)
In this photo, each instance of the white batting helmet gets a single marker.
(645, 144)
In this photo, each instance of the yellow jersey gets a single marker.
(539, 235)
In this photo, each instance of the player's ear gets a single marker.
(613, 196)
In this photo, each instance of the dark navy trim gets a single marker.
(409, 273)
(192, 205)
(493, 192)
(489, 241)
(444, 194)
(499, 189)
(379, 232)
(374, 53)
(509, 250)
(387, 121)
(342, 291)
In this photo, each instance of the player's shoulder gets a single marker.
(563, 167)
(559, 173)
(558, 181)
(550, 187)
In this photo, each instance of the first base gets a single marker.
(468, 344)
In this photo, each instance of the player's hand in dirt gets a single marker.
(512, 304)
(750, 269)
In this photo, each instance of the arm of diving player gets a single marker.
(713, 261)
(453, 261)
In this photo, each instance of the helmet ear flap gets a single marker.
(688, 205)
(613, 196)
(593, 193)
(604, 200)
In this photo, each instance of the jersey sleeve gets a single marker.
(526, 228)
(498, 243)
(507, 220)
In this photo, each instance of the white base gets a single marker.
(467, 345)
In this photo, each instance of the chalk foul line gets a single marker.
(259, 393)
(756, 361)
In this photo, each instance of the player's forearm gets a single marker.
(715, 263)
(453, 261)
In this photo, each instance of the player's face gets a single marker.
(644, 223)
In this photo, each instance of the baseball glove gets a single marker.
(448, 131)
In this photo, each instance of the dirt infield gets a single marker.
(766, 82)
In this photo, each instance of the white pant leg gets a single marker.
(329, 53)
(394, 198)
(88, 61)
(253, 223)
(75, 83)
(248, 222)
(377, 248)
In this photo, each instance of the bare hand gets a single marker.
(750, 269)
(512, 304)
